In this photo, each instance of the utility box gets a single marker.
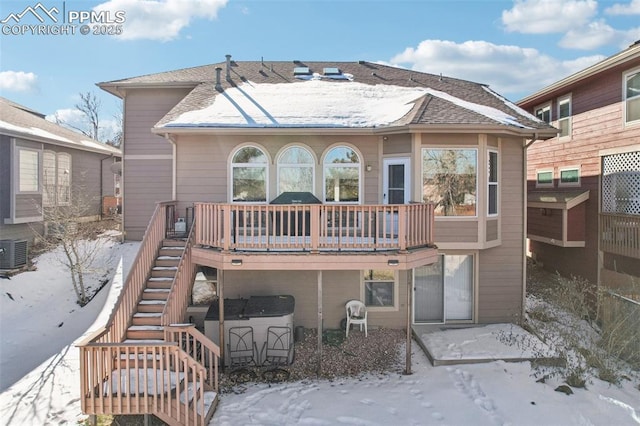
(13, 253)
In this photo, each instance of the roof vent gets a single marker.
(218, 85)
(228, 66)
(361, 62)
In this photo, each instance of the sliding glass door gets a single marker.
(444, 291)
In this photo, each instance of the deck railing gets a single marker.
(180, 294)
(198, 347)
(136, 280)
(620, 234)
(158, 378)
(314, 227)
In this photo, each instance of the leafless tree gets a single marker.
(76, 238)
(90, 105)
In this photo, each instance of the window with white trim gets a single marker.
(570, 176)
(544, 178)
(28, 170)
(48, 178)
(564, 116)
(342, 170)
(379, 288)
(632, 96)
(63, 182)
(295, 170)
(249, 175)
(492, 183)
(450, 180)
(543, 112)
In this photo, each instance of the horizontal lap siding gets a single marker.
(500, 269)
(203, 163)
(21, 231)
(338, 287)
(146, 180)
(456, 231)
(28, 205)
(597, 124)
(545, 223)
(6, 178)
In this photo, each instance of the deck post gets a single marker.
(319, 371)
(219, 290)
(407, 367)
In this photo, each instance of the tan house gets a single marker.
(584, 184)
(324, 181)
(42, 164)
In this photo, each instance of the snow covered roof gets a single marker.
(19, 121)
(351, 95)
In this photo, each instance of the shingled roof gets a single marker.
(267, 94)
(19, 121)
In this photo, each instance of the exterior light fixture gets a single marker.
(368, 168)
(393, 262)
(236, 262)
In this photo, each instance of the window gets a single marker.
(564, 116)
(379, 288)
(29, 169)
(48, 178)
(632, 96)
(64, 178)
(249, 175)
(449, 180)
(544, 113)
(570, 176)
(342, 176)
(544, 178)
(295, 170)
(492, 182)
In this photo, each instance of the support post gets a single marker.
(219, 290)
(319, 370)
(407, 367)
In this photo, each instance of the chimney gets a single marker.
(218, 85)
(228, 66)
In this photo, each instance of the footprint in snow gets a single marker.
(367, 401)
(392, 410)
(437, 416)
(426, 404)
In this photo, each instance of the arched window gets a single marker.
(249, 175)
(295, 170)
(342, 175)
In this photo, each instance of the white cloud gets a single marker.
(548, 16)
(18, 81)
(591, 36)
(632, 8)
(509, 70)
(160, 19)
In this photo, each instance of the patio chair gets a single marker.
(278, 347)
(242, 347)
(356, 314)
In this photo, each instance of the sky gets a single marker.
(517, 47)
(40, 382)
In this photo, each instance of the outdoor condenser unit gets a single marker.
(13, 253)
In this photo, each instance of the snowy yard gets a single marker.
(40, 321)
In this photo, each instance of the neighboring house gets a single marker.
(584, 184)
(326, 181)
(42, 164)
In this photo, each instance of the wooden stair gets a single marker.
(146, 320)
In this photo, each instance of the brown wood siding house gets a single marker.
(27, 142)
(584, 184)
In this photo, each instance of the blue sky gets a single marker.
(517, 47)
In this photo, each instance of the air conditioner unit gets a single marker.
(13, 253)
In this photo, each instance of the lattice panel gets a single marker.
(621, 183)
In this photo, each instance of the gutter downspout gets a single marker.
(174, 165)
(524, 218)
(102, 183)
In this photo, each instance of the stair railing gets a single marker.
(135, 283)
(200, 348)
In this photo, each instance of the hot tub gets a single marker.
(258, 312)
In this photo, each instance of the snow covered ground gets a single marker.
(45, 372)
